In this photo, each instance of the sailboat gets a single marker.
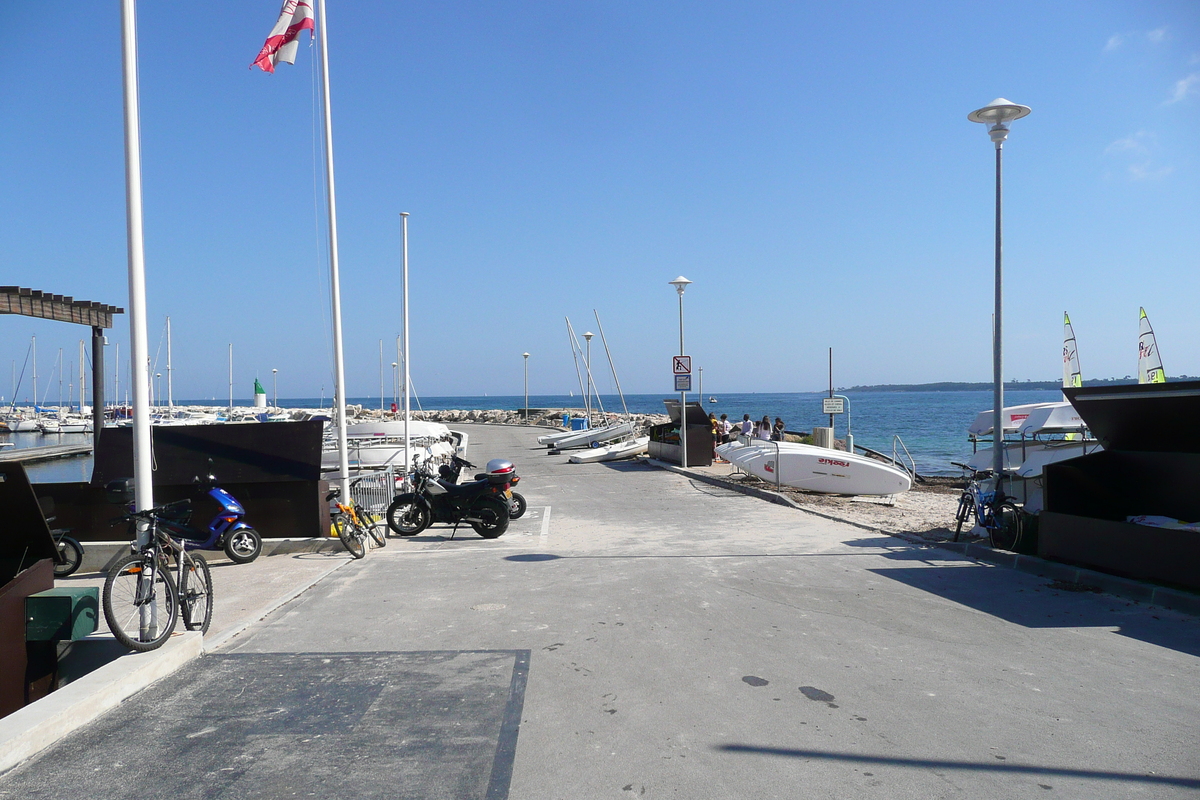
(1150, 367)
(1048, 433)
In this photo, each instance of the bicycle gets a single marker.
(143, 601)
(991, 510)
(348, 523)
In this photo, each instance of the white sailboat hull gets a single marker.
(618, 450)
(817, 469)
(1029, 461)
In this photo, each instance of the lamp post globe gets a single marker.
(681, 283)
(275, 388)
(997, 115)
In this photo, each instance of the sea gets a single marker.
(931, 425)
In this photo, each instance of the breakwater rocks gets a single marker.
(545, 417)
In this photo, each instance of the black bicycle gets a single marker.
(143, 601)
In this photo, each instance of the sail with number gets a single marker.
(1071, 374)
(1150, 367)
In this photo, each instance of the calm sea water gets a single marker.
(933, 425)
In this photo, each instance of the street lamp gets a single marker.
(395, 388)
(680, 284)
(996, 115)
(526, 357)
(275, 388)
(587, 403)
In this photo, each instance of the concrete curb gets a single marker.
(1126, 588)
(27, 732)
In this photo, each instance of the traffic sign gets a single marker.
(832, 405)
(681, 365)
(683, 383)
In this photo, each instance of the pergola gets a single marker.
(98, 316)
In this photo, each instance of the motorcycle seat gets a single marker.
(466, 489)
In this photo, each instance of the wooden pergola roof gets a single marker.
(32, 303)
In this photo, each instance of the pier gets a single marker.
(44, 453)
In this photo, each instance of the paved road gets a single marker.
(638, 635)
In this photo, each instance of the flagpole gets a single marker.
(334, 280)
(407, 409)
(142, 456)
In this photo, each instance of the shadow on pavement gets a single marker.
(1009, 596)
(968, 766)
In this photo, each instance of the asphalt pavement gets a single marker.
(639, 634)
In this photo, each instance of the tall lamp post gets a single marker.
(526, 357)
(587, 361)
(275, 388)
(680, 284)
(996, 115)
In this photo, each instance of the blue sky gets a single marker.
(809, 166)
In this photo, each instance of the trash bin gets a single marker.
(566, 420)
(579, 424)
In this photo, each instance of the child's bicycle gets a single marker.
(991, 510)
(353, 525)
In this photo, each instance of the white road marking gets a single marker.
(545, 524)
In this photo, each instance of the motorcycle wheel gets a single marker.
(407, 517)
(72, 554)
(516, 508)
(494, 513)
(243, 546)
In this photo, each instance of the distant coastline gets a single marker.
(952, 386)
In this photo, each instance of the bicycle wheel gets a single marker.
(1005, 531)
(196, 593)
(141, 611)
(376, 528)
(72, 557)
(352, 536)
(966, 511)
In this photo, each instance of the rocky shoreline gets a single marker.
(540, 417)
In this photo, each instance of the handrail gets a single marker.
(895, 456)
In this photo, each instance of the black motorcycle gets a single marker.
(451, 472)
(482, 503)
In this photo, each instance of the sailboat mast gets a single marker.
(335, 285)
(35, 402)
(81, 386)
(611, 365)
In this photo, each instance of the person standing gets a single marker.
(724, 428)
(747, 425)
(777, 432)
(764, 429)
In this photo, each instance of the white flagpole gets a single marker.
(170, 395)
(142, 456)
(334, 280)
(407, 409)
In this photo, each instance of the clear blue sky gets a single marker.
(808, 165)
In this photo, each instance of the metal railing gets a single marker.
(911, 467)
(374, 491)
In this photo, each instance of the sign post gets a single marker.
(839, 404)
(681, 366)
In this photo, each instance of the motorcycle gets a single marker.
(482, 503)
(451, 472)
(225, 532)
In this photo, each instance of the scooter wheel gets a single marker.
(72, 557)
(243, 546)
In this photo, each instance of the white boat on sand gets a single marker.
(613, 452)
(816, 469)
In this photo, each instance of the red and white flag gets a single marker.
(282, 43)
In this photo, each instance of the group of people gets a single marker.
(725, 431)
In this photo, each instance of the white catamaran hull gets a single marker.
(817, 469)
(626, 449)
(585, 438)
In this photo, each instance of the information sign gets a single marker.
(683, 383)
(832, 405)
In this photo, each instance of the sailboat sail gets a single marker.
(1150, 367)
(1071, 374)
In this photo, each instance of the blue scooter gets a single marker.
(225, 532)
